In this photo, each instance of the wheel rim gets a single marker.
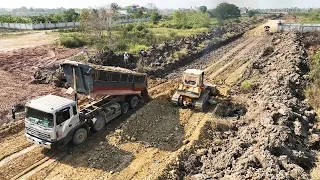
(80, 137)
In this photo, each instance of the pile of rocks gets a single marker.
(276, 138)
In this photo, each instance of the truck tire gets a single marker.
(125, 108)
(79, 136)
(134, 101)
(99, 123)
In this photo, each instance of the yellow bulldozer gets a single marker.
(193, 91)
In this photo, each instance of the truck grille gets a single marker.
(38, 134)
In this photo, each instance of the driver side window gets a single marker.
(63, 115)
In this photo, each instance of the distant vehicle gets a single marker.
(52, 121)
(193, 92)
(267, 28)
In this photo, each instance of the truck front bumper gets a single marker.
(40, 142)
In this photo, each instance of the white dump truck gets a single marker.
(52, 121)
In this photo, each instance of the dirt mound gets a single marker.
(109, 58)
(10, 128)
(275, 138)
(160, 129)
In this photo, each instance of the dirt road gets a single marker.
(140, 146)
(26, 39)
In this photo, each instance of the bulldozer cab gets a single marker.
(193, 77)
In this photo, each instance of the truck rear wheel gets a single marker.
(99, 123)
(124, 108)
(79, 136)
(134, 101)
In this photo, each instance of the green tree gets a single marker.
(203, 9)
(251, 13)
(225, 11)
(155, 17)
(179, 18)
(114, 7)
(70, 15)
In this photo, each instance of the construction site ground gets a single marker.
(140, 145)
(24, 39)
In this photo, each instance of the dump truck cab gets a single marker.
(49, 119)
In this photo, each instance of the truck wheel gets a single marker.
(134, 101)
(79, 136)
(124, 108)
(99, 123)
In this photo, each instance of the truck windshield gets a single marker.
(39, 117)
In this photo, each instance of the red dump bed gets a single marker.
(104, 80)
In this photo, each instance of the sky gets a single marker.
(171, 4)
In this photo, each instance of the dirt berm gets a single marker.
(275, 139)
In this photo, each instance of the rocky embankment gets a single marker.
(276, 138)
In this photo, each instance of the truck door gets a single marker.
(64, 122)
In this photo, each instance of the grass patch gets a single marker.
(308, 17)
(135, 48)
(176, 33)
(73, 40)
(313, 90)
(248, 85)
(129, 38)
(179, 54)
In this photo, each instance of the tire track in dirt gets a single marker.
(36, 167)
(22, 162)
(235, 61)
(15, 155)
(11, 145)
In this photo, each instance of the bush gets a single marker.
(155, 17)
(139, 27)
(136, 48)
(129, 27)
(72, 41)
(248, 85)
(192, 19)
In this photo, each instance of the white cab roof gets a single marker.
(49, 103)
(193, 71)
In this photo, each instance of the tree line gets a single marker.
(66, 16)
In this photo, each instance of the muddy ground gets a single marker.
(272, 139)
